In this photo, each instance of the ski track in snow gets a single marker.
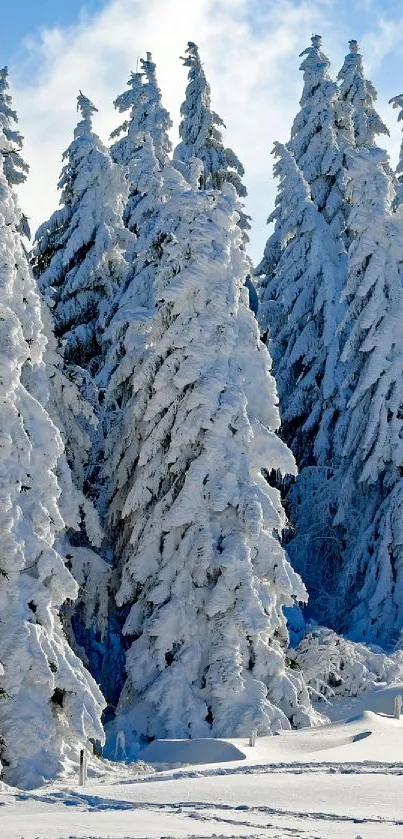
(264, 819)
(362, 768)
(286, 833)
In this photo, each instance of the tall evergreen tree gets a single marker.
(302, 303)
(371, 490)
(50, 706)
(15, 170)
(78, 253)
(137, 300)
(200, 133)
(143, 151)
(350, 548)
(361, 95)
(147, 117)
(201, 570)
(319, 136)
(397, 102)
(301, 278)
(79, 260)
(15, 167)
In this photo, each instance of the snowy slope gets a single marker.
(343, 779)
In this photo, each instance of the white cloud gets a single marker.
(250, 50)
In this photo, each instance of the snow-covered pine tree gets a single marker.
(15, 170)
(371, 496)
(202, 573)
(80, 266)
(200, 132)
(147, 117)
(136, 303)
(361, 95)
(300, 280)
(303, 302)
(123, 342)
(340, 551)
(302, 310)
(397, 102)
(15, 167)
(51, 706)
(78, 256)
(319, 137)
(142, 151)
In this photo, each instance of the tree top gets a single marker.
(85, 107)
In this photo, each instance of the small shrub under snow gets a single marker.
(333, 666)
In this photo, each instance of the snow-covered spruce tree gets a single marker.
(79, 263)
(300, 280)
(142, 151)
(78, 254)
(196, 523)
(15, 167)
(147, 117)
(397, 102)
(136, 302)
(15, 170)
(68, 410)
(200, 134)
(302, 302)
(361, 95)
(319, 137)
(51, 705)
(370, 501)
(124, 342)
(348, 538)
(302, 311)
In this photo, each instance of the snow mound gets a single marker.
(197, 751)
(378, 701)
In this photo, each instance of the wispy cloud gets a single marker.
(250, 50)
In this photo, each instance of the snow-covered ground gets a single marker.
(341, 781)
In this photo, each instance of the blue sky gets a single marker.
(23, 18)
(250, 49)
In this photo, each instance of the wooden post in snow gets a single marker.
(82, 780)
(252, 737)
(120, 747)
(398, 706)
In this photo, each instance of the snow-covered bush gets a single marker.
(334, 666)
